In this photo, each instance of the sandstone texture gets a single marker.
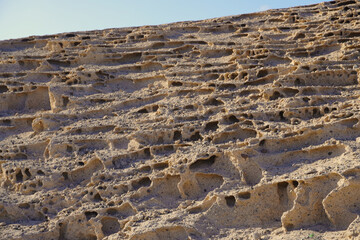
(241, 127)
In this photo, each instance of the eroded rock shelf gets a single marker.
(236, 127)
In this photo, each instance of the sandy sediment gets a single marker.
(241, 127)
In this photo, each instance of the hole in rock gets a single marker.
(27, 39)
(316, 112)
(147, 152)
(233, 75)
(196, 136)
(306, 68)
(299, 35)
(230, 201)
(7, 122)
(65, 175)
(282, 192)
(176, 84)
(27, 172)
(78, 131)
(290, 92)
(59, 63)
(203, 163)
(112, 211)
(90, 214)
(306, 99)
(289, 227)
(281, 114)
(19, 176)
(244, 195)
(177, 135)
(110, 225)
(70, 35)
(213, 102)
(345, 3)
(243, 75)
(275, 95)
(233, 119)
(262, 73)
(143, 182)
(298, 82)
(144, 110)
(69, 149)
(161, 166)
(145, 169)
(295, 183)
(97, 198)
(227, 86)
(24, 205)
(65, 101)
(329, 34)
(3, 88)
(211, 126)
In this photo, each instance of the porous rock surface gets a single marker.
(242, 127)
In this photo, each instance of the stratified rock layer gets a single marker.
(243, 126)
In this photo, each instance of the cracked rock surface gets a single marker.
(241, 127)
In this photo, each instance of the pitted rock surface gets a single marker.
(241, 127)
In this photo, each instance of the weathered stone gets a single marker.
(229, 128)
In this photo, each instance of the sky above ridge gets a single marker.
(22, 18)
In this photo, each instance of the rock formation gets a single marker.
(241, 127)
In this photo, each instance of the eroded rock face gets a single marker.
(243, 126)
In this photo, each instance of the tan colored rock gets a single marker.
(241, 127)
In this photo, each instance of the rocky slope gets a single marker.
(242, 127)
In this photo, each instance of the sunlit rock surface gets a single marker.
(242, 127)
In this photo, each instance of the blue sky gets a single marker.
(22, 18)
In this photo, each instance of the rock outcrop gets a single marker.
(237, 127)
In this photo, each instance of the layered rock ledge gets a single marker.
(241, 127)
